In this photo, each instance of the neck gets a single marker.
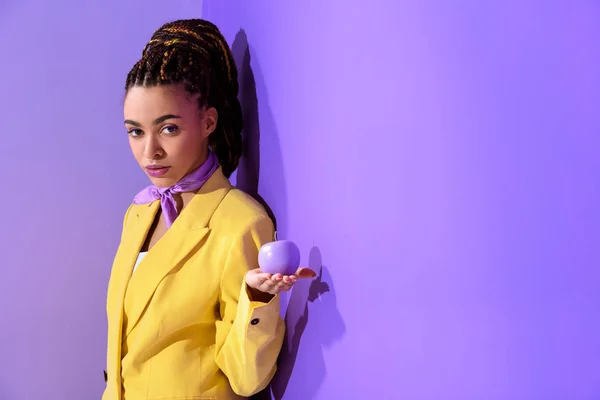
(201, 160)
(182, 199)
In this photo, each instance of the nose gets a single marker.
(153, 150)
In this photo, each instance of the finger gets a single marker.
(277, 277)
(290, 278)
(268, 286)
(285, 288)
(280, 287)
(305, 273)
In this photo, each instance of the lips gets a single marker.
(157, 170)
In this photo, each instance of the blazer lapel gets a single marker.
(137, 224)
(185, 235)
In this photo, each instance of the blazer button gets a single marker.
(255, 321)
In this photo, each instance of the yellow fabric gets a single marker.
(183, 325)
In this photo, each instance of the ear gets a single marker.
(211, 117)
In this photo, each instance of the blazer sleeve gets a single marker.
(249, 334)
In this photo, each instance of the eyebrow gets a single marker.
(156, 121)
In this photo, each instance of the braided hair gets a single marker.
(194, 53)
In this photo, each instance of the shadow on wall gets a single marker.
(247, 175)
(319, 290)
(327, 326)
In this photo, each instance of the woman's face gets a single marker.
(168, 132)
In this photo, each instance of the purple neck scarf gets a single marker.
(189, 183)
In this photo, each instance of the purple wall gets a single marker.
(67, 179)
(441, 160)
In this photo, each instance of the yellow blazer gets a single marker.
(183, 325)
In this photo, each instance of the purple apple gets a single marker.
(279, 257)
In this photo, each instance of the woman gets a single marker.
(190, 316)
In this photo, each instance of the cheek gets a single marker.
(137, 148)
(184, 147)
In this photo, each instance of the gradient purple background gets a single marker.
(441, 158)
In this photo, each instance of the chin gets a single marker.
(162, 182)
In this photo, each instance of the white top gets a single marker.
(139, 259)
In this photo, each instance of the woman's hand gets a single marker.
(264, 286)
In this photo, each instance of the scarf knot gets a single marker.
(191, 182)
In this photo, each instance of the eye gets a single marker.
(170, 129)
(135, 132)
